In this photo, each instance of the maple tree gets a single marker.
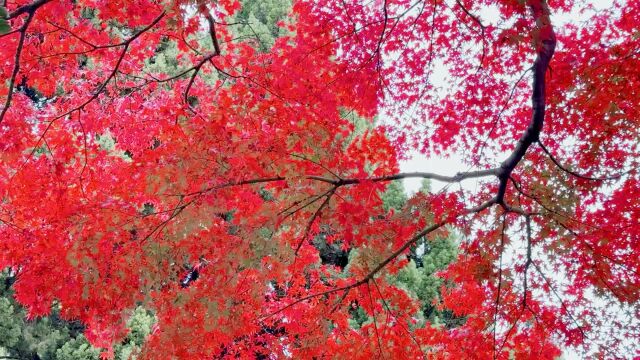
(205, 189)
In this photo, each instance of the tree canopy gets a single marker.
(229, 167)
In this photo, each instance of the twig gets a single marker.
(313, 218)
(16, 65)
(528, 262)
(573, 173)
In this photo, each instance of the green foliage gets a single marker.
(77, 349)
(425, 187)
(5, 27)
(360, 125)
(9, 328)
(33, 339)
(165, 61)
(358, 317)
(259, 20)
(52, 338)
(419, 278)
(139, 324)
(394, 197)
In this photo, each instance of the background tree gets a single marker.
(52, 338)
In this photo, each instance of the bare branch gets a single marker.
(564, 306)
(482, 31)
(546, 47)
(583, 177)
(529, 261)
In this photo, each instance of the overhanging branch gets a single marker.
(546, 44)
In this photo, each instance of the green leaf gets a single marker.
(4, 26)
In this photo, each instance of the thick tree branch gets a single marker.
(546, 44)
(212, 33)
(425, 175)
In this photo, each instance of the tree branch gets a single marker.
(16, 65)
(27, 9)
(216, 52)
(31, 10)
(482, 31)
(353, 181)
(425, 175)
(579, 176)
(386, 305)
(566, 309)
(100, 89)
(546, 44)
(366, 278)
(314, 217)
(529, 261)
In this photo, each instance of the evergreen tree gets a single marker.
(259, 20)
(419, 277)
(51, 338)
(394, 197)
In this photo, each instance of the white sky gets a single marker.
(454, 164)
(450, 166)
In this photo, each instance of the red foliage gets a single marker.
(175, 215)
